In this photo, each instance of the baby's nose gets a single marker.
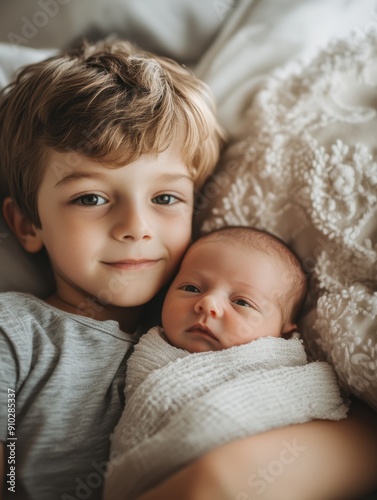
(211, 305)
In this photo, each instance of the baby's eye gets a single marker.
(241, 302)
(165, 199)
(90, 200)
(190, 288)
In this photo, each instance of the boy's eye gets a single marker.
(241, 302)
(190, 288)
(90, 200)
(165, 199)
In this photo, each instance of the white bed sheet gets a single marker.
(259, 37)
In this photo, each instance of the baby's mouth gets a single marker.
(202, 330)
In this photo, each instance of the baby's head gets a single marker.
(234, 285)
(110, 102)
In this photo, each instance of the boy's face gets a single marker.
(115, 235)
(224, 295)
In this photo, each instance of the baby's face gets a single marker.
(224, 295)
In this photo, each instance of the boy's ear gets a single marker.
(21, 226)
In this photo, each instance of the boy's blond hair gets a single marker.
(109, 101)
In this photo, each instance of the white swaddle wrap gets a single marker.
(181, 405)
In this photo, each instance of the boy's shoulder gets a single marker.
(34, 332)
(25, 319)
(19, 305)
(23, 312)
(17, 298)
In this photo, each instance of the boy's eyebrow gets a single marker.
(166, 177)
(77, 176)
(169, 177)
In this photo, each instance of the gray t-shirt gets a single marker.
(68, 374)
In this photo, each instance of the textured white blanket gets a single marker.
(180, 405)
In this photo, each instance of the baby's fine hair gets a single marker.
(108, 101)
(291, 299)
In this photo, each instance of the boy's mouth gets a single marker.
(131, 264)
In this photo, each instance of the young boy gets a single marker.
(235, 286)
(101, 150)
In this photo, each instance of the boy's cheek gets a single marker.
(182, 237)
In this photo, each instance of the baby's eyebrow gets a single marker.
(253, 289)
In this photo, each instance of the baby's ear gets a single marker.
(288, 330)
(21, 226)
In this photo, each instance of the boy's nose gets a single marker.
(210, 305)
(132, 224)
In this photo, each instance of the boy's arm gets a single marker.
(319, 459)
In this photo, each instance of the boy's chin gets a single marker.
(134, 298)
(132, 289)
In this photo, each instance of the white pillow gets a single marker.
(182, 29)
(306, 170)
(20, 271)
